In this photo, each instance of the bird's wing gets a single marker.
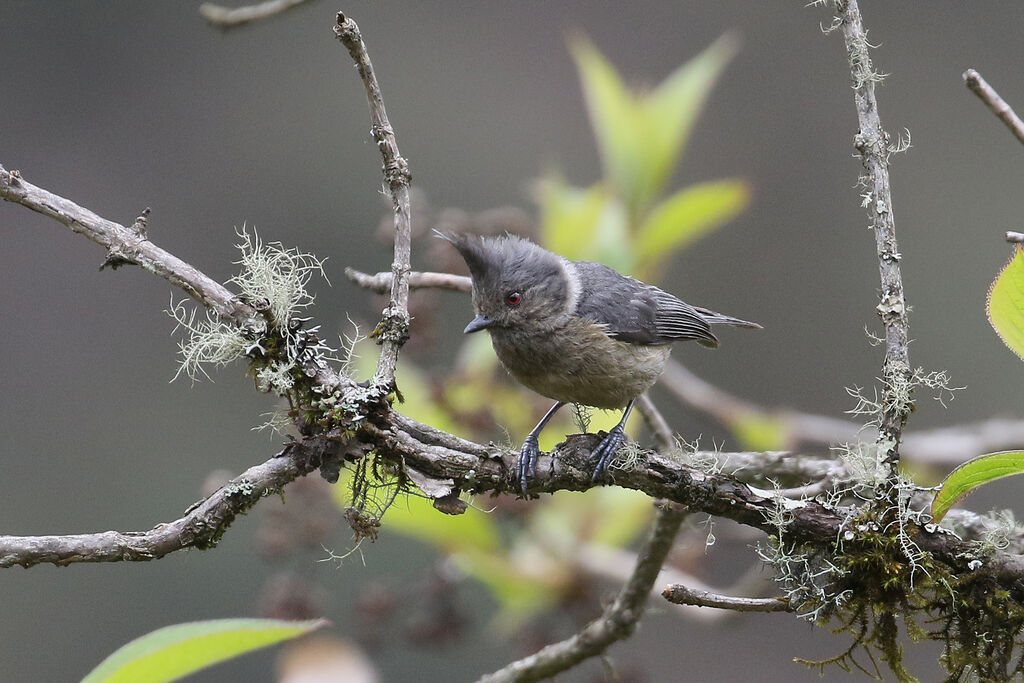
(635, 312)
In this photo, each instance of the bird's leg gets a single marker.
(611, 444)
(531, 451)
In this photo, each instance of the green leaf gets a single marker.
(641, 137)
(1006, 303)
(973, 474)
(614, 115)
(674, 105)
(684, 217)
(173, 652)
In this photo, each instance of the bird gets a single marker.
(575, 331)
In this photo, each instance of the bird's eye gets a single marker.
(513, 298)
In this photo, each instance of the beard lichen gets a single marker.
(865, 586)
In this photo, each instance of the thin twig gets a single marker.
(232, 17)
(616, 623)
(682, 595)
(987, 94)
(872, 143)
(381, 282)
(393, 330)
(603, 561)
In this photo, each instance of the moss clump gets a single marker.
(866, 586)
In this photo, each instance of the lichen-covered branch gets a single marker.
(616, 623)
(987, 94)
(479, 469)
(873, 145)
(393, 330)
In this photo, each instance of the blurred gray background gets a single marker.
(120, 106)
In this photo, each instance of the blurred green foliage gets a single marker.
(623, 220)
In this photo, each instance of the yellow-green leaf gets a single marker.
(614, 115)
(1006, 303)
(973, 474)
(684, 217)
(674, 105)
(174, 652)
(641, 136)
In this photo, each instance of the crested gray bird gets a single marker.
(576, 331)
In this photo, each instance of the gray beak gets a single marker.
(481, 322)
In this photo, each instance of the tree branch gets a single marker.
(125, 245)
(616, 623)
(987, 94)
(200, 527)
(872, 143)
(393, 330)
(681, 595)
(381, 282)
(233, 17)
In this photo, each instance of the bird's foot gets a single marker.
(527, 463)
(607, 449)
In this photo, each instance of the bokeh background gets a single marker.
(120, 106)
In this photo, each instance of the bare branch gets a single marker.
(987, 94)
(681, 595)
(1014, 237)
(381, 282)
(233, 17)
(393, 330)
(872, 142)
(125, 245)
(201, 526)
(616, 623)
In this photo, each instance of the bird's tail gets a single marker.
(714, 318)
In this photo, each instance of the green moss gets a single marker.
(866, 586)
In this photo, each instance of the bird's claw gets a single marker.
(528, 461)
(607, 449)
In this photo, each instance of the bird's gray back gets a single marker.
(635, 312)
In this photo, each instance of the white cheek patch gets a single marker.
(572, 280)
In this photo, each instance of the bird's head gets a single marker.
(516, 284)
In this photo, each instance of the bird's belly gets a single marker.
(581, 364)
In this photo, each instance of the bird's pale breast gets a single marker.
(579, 363)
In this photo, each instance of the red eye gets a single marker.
(513, 299)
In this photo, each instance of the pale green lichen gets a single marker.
(208, 341)
(277, 275)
